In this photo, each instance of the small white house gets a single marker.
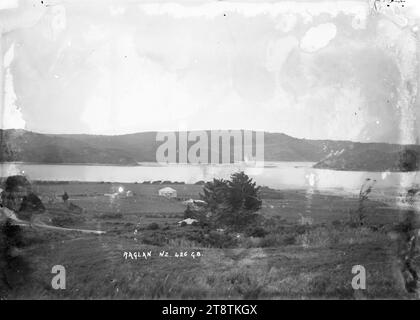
(168, 192)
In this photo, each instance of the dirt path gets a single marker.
(45, 226)
(7, 213)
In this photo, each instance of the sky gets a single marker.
(317, 70)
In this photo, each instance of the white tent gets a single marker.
(188, 221)
(168, 192)
(129, 193)
(192, 202)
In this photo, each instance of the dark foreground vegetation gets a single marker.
(243, 241)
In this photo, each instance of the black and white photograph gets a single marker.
(209, 150)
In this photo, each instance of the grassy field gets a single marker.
(288, 260)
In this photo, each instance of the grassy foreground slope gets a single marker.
(289, 261)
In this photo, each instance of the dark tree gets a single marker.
(214, 193)
(365, 190)
(65, 197)
(16, 187)
(17, 184)
(233, 202)
(31, 202)
(243, 193)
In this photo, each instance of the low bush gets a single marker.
(31, 202)
(276, 240)
(75, 208)
(256, 231)
(153, 226)
(24, 215)
(67, 220)
(197, 213)
(217, 239)
(155, 239)
(109, 215)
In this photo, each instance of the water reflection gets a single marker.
(292, 175)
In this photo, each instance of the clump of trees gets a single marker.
(17, 183)
(31, 202)
(232, 203)
(13, 267)
(19, 197)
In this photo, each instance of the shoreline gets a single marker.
(67, 164)
(267, 165)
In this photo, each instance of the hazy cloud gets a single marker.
(318, 37)
(309, 69)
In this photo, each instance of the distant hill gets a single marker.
(391, 158)
(130, 149)
(26, 146)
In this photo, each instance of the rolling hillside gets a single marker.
(129, 149)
